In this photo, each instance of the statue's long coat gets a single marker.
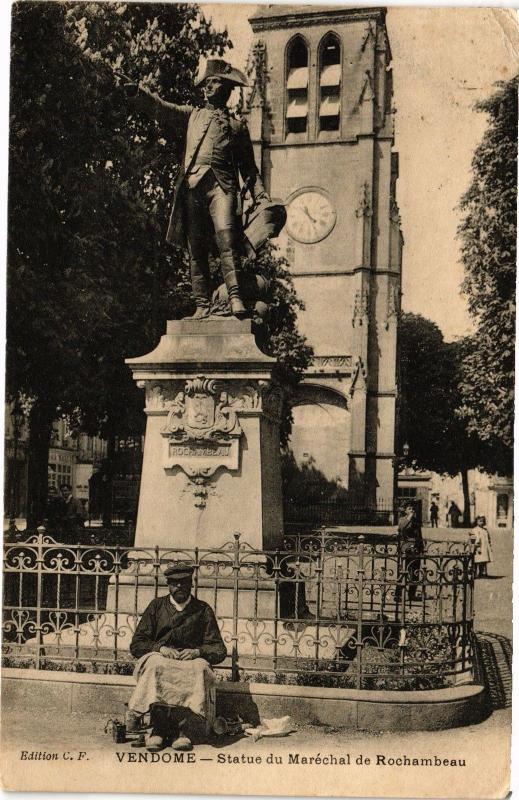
(190, 125)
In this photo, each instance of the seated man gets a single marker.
(176, 640)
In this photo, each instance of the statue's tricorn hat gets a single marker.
(218, 68)
(177, 571)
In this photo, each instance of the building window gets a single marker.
(58, 474)
(407, 491)
(330, 84)
(502, 510)
(297, 86)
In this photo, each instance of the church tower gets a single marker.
(321, 122)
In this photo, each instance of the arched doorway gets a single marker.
(315, 469)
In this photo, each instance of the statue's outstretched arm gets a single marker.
(168, 114)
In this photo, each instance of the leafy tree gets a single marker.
(281, 337)
(456, 404)
(86, 252)
(428, 401)
(305, 484)
(427, 393)
(488, 245)
(91, 279)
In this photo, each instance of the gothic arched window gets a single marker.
(297, 86)
(329, 83)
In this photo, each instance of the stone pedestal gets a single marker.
(211, 462)
(255, 601)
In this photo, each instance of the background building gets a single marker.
(321, 122)
(73, 458)
(15, 462)
(489, 495)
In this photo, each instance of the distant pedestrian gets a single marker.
(410, 546)
(54, 511)
(480, 538)
(65, 516)
(433, 514)
(64, 521)
(453, 515)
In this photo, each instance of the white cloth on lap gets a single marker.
(176, 683)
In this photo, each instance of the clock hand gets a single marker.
(305, 209)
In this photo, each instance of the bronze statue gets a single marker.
(218, 151)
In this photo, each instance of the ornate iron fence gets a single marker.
(324, 610)
(336, 511)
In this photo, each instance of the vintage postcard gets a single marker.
(258, 528)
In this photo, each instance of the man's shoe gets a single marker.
(155, 743)
(182, 743)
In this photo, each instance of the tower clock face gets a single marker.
(311, 216)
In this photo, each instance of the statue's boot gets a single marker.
(201, 312)
(200, 287)
(230, 263)
(237, 307)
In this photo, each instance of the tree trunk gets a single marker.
(40, 428)
(466, 496)
(106, 512)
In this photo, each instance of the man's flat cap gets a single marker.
(178, 570)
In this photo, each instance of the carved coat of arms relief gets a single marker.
(202, 430)
(203, 410)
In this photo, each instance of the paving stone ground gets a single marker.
(85, 732)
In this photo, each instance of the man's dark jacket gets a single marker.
(410, 535)
(162, 625)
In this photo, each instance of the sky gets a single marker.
(444, 61)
